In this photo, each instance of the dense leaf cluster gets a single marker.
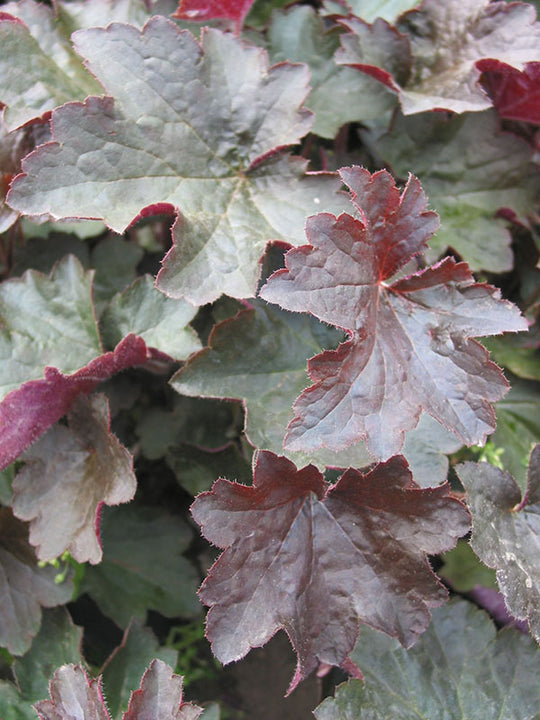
(266, 258)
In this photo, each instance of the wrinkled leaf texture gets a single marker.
(506, 532)
(437, 69)
(461, 668)
(410, 346)
(227, 116)
(316, 560)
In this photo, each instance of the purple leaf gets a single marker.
(69, 474)
(26, 413)
(316, 560)
(160, 697)
(74, 695)
(410, 346)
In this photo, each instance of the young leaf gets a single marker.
(24, 586)
(143, 567)
(72, 692)
(69, 474)
(515, 94)
(444, 42)
(235, 10)
(160, 696)
(460, 668)
(506, 533)
(226, 114)
(410, 346)
(469, 170)
(29, 411)
(38, 68)
(338, 94)
(317, 560)
(160, 321)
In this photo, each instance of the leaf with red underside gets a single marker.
(69, 474)
(26, 413)
(437, 67)
(228, 116)
(316, 560)
(410, 346)
(202, 10)
(74, 695)
(24, 586)
(515, 93)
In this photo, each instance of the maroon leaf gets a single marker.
(410, 346)
(316, 560)
(26, 413)
(74, 695)
(69, 474)
(160, 697)
(515, 94)
(201, 10)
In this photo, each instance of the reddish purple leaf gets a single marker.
(201, 10)
(410, 346)
(74, 695)
(160, 697)
(515, 94)
(26, 413)
(316, 561)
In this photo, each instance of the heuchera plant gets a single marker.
(257, 269)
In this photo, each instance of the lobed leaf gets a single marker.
(227, 115)
(128, 662)
(460, 668)
(437, 56)
(72, 692)
(69, 474)
(279, 344)
(410, 346)
(160, 696)
(38, 68)
(338, 95)
(506, 532)
(469, 170)
(24, 586)
(317, 560)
